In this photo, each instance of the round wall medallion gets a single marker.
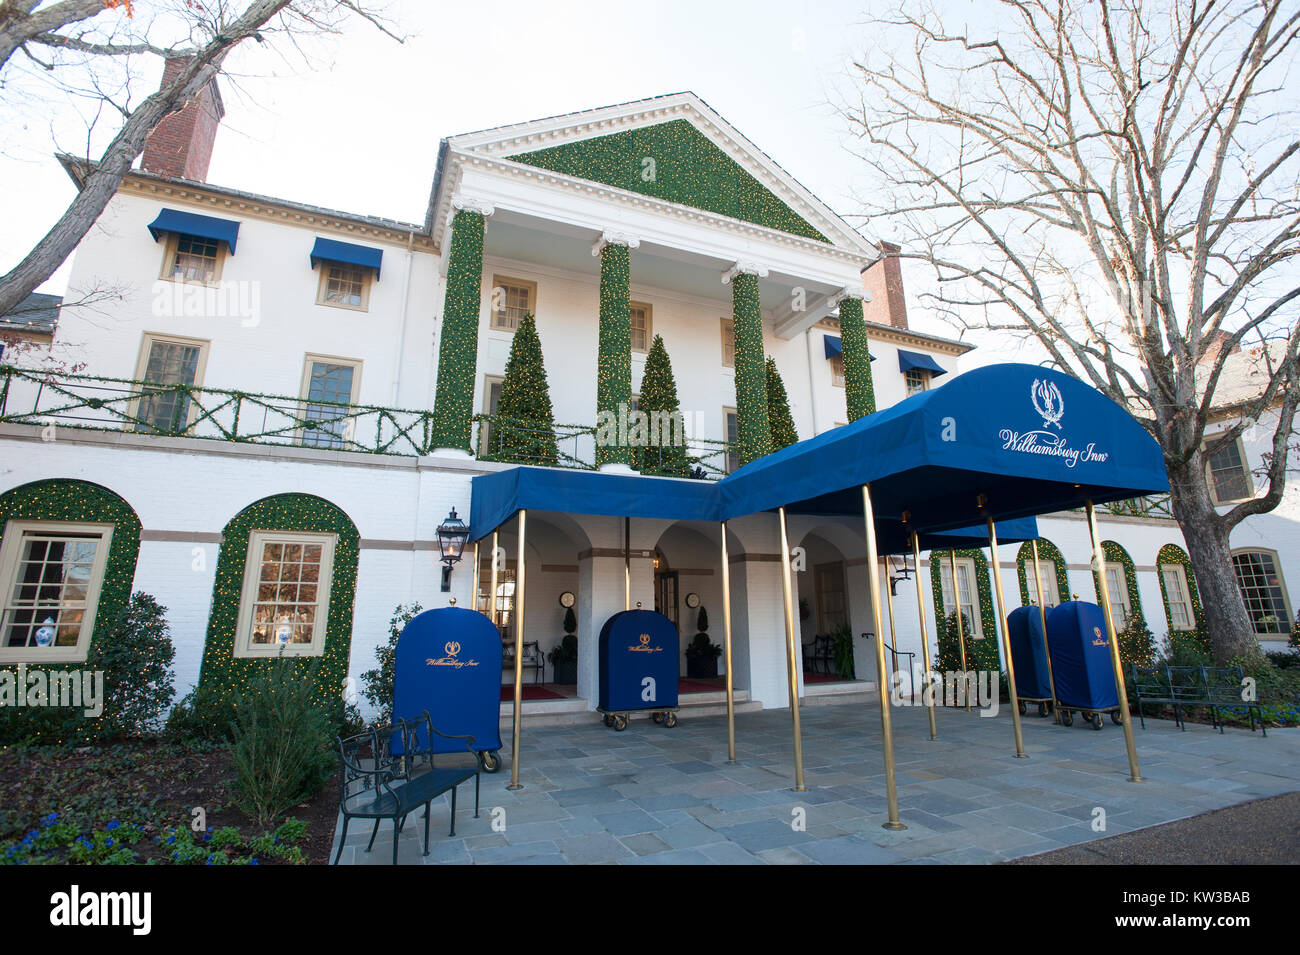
(567, 599)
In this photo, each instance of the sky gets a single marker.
(357, 127)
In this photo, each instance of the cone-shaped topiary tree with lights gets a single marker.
(778, 409)
(666, 451)
(524, 427)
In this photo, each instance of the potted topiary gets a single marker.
(702, 654)
(564, 658)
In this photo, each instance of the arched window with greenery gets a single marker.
(1052, 564)
(285, 582)
(1181, 598)
(980, 622)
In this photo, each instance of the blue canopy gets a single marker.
(907, 360)
(834, 345)
(191, 223)
(1032, 440)
(331, 250)
(495, 498)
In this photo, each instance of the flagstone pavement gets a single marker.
(658, 796)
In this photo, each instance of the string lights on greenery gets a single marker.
(675, 162)
(859, 390)
(77, 502)
(659, 395)
(614, 369)
(524, 429)
(453, 404)
(227, 677)
(779, 418)
(1025, 560)
(1134, 638)
(753, 429)
(1198, 638)
(981, 654)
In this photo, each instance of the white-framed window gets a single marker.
(916, 380)
(1177, 597)
(345, 286)
(1229, 478)
(286, 595)
(491, 400)
(327, 382)
(192, 258)
(1121, 609)
(1047, 574)
(728, 343)
(512, 299)
(837, 370)
(168, 360)
(967, 592)
(1259, 575)
(731, 426)
(52, 573)
(642, 327)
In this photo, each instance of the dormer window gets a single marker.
(918, 369)
(346, 273)
(195, 259)
(196, 245)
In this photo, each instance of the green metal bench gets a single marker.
(1218, 688)
(375, 782)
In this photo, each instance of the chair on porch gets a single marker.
(533, 658)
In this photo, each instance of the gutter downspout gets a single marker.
(812, 388)
(406, 302)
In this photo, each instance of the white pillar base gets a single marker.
(618, 467)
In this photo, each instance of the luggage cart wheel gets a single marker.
(670, 720)
(620, 723)
(1067, 718)
(1021, 707)
(1116, 718)
(491, 761)
(1096, 721)
(657, 717)
(1042, 710)
(609, 719)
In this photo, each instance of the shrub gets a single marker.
(282, 742)
(135, 654)
(203, 714)
(378, 683)
(701, 646)
(1136, 644)
(842, 651)
(564, 652)
(980, 654)
(702, 620)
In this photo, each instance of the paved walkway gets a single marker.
(668, 796)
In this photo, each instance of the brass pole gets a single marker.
(1006, 641)
(787, 592)
(886, 730)
(492, 598)
(1135, 775)
(627, 563)
(474, 582)
(519, 652)
(1042, 611)
(961, 630)
(726, 647)
(925, 642)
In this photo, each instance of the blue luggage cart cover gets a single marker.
(1029, 653)
(448, 661)
(638, 662)
(1081, 664)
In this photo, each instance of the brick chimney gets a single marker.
(181, 145)
(884, 280)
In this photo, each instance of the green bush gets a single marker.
(842, 650)
(282, 747)
(135, 655)
(1136, 644)
(378, 683)
(203, 714)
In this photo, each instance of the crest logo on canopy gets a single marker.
(1048, 402)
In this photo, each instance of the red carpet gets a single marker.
(823, 678)
(695, 686)
(529, 693)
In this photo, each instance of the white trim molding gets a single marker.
(614, 238)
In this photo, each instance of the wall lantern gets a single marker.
(452, 536)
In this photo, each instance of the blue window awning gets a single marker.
(834, 345)
(331, 250)
(191, 223)
(907, 360)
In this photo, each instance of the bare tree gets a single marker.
(1119, 183)
(67, 38)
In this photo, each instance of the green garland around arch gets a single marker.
(1025, 558)
(1196, 639)
(79, 502)
(981, 654)
(225, 676)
